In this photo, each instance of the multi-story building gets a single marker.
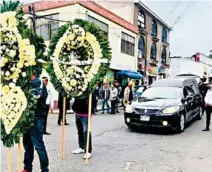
(122, 35)
(153, 45)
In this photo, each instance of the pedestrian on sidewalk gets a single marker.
(80, 108)
(105, 95)
(49, 103)
(128, 92)
(60, 107)
(117, 85)
(113, 98)
(208, 105)
(34, 137)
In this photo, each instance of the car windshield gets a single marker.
(140, 89)
(162, 93)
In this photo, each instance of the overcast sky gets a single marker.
(193, 32)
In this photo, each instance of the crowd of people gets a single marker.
(113, 94)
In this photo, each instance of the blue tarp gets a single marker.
(130, 74)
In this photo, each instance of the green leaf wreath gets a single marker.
(16, 72)
(83, 41)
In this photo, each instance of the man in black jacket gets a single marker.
(80, 107)
(34, 138)
(105, 95)
(60, 107)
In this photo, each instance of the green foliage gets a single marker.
(104, 44)
(9, 6)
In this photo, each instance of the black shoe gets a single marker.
(46, 133)
(66, 123)
(207, 129)
(117, 112)
(102, 112)
(59, 123)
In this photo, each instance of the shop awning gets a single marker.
(130, 74)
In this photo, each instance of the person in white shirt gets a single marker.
(49, 103)
(208, 105)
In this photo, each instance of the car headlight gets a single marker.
(171, 110)
(129, 109)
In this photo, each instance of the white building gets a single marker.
(122, 35)
(196, 65)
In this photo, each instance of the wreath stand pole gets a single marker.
(19, 155)
(89, 127)
(9, 160)
(63, 129)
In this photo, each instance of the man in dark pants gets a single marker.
(208, 104)
(49, 103)
(203, 90)
(60, 106)
(34, 138)
(80, 107)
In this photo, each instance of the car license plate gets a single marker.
(144, 118)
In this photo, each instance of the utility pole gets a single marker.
(31, 10)
(145, 60)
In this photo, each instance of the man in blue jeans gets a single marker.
(105, 95)
(80, 107)
(34, 138)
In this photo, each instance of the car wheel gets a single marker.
(200, 113)
(181, 124)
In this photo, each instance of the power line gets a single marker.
(184, 12)
(176, 5)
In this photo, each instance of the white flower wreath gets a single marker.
(16, 53)
(74, 79)
(13, 104)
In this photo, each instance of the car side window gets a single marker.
(188, 91)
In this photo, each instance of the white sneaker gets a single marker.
(79, 151)
(89, 156)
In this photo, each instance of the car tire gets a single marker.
(200, 113)
(181, 124)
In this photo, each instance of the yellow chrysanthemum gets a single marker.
(73, 82)
(5, 89)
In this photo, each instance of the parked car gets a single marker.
(170, 102)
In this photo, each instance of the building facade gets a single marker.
(122, 35)
(154, 35)
(198, 65)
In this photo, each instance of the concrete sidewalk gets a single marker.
(99, 108)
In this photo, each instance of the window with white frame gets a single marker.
(102, 26)
(127, 44)
(141, 20)
(46, 27)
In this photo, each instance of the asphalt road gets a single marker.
(118, 149)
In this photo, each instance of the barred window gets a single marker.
(127, 44)
(47, 26)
